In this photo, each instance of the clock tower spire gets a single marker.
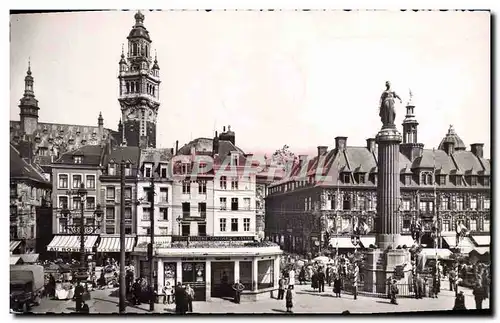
(139, 81)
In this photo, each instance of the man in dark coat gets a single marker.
(79, 290)
(321, 280)
(281, 288)
(478, 296)
(337, 284)
(136, 292)
(238, 288)
(180, 299)
(459, 302)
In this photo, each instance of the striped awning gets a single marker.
(71, 243)
(14, 245)
(341, 242)
(160, 242)
(466, 245)
(482, 240)
(367, 241)
(481, 250)
(14, 260)
(112, 244)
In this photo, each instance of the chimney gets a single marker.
(477, 150)
(370, 144)
(449, 147)
(215, 144)
(340, 143)
(322, 150)
(176, 146)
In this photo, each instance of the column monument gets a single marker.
(386, 260)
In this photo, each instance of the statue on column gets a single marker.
(387, 110)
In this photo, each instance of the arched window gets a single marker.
(134, 49)
(153, 90)
(429, 179)
(132, 87)
(147, 50)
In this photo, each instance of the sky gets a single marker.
(296, 78)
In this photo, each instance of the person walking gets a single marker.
(302, 275)
(321, 280)
(167, 290)
(337, 285)
(189, 298)
(478, 295)
(238, 288)
(291, 278)
(314, 281)
(393, 291)
(452, 277)
(180, 299)
(79, 296)
(136, 292)
(281, 288)
(289, 300)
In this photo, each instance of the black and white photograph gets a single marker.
(278, 162)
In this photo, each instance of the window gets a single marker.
(486, 181)
(186, 230)
(185, 168)
(128, 229)
(90, 181)
(234, 183)
(458, 180)
(361, 178)
(111, 169)
(265, 274)
(345, 178)
(460, 203)
(234, 225)
(202, 187)
(472, 225)
(406, 225)
(77, 181)
(148, 170)
(446, 226)
(146, 214)
(164, 213)
(444, 203)
(110, 193)
(13, 190)
(148, 230)
(222, 225)
(128, 216)
(486, 204)
(186, 187)
(146, 194)
(246, 203)
(202, 209)
(110, 229)
(76, 202)
(163, 231)
(223, 182)
(442, 180)
(186, 209)
(76, 221)
(473, 203)
(63, 181)
(406, 205)
(423, 206)
(246, 224)
(347, 202)
(234, 160)
(110, 213)
(360, 202)
(63, 202)
(223, 205)
(128, 193)
(163, 171)
(163, 195)
(128, 170)
(473, 180)
(90, 200)
(486, 225)
(77, 159)
(234, 204)
(202, 229)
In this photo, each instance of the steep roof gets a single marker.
(92, 155)
(205, 145)
(20, 169)
(118, 154)
(468, 162)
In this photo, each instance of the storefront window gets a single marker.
(265, 274)
(170, 273)
(193, 272)
(246, 274)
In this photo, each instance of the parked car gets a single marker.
(26, 287)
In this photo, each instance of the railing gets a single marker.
(382, 289)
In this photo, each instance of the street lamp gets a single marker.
(82, 229)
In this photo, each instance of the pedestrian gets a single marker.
(136, 292)
(459, 302)
(452, 277)
(337, 285)
(393, 291)
(291, 278)
(180, 299)
(289, 300)
(78, 296)
(190, 298)
(238, 288)
(328, 273)
(167, 290)
(314, 281)
(419, 287)
(85, 308)
(478, 295)
(302, 275)
(321, 280)
(281, 288)
(52, 286)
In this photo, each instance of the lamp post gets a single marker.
(82, 229)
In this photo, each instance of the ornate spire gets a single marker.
(155, 65)
(410, 100)
(100, 120)
(29, 66)
(139, 18)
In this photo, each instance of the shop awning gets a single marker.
(482, 240)
(160, 242)
(406, 240)
(14, 245)
(367, 241)
(465, 243)
(14, 260)
(71, 243)
(112, 244)
(481, 250)
(343, 242)
(430, 253)
(30, 258)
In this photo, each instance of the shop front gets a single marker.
(109, 247)
(68, 246)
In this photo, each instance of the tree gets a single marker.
(284, 158)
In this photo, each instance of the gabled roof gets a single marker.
(205, 145)
(156, 156)
(20, 169)
(92, 155)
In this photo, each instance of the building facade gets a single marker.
(330, 195)
(30, 202)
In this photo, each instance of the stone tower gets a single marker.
(410, 147)
(139, 80)
(28, 106)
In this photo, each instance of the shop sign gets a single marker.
(67, 249)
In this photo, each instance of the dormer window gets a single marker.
(486, 181)
(458, 180)
(346, 178)
(442, 180)
(473, 180)
(128, 169)
(361, 178)
(77, 159)
(148, 170)
(163, 171)
(111, 169)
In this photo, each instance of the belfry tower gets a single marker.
(28, 106)
(139, 80)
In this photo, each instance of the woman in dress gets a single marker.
(289, 300)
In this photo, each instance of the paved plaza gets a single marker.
(305, 301)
